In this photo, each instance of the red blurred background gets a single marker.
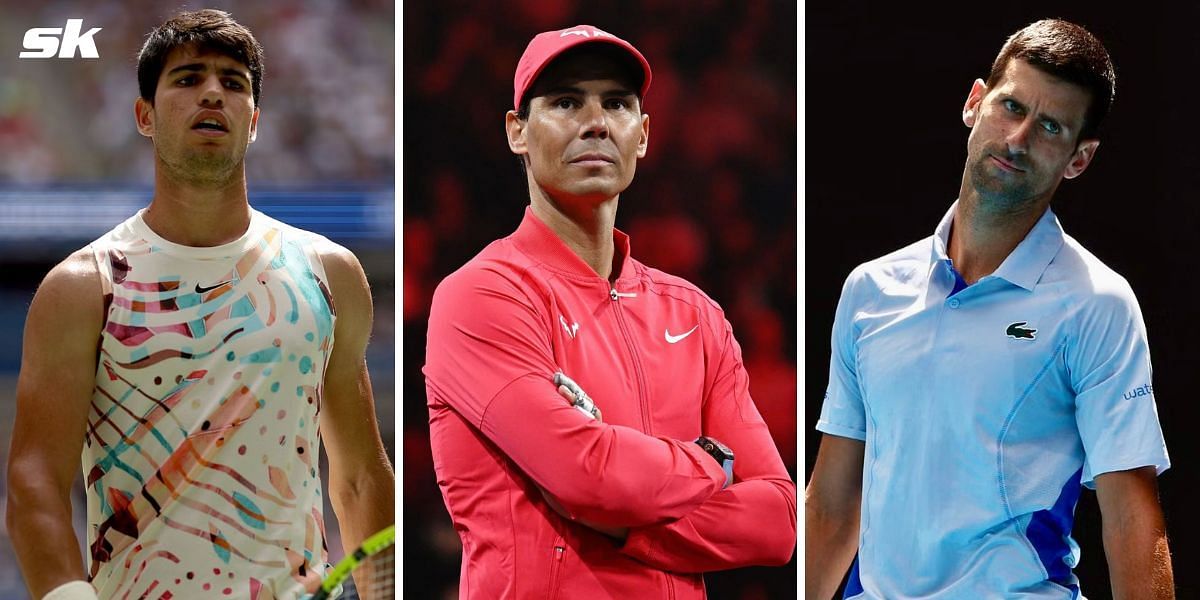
(714, 200)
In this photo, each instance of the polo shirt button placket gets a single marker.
(954, 302)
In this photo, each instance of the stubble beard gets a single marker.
(198, 167)
(998, 196)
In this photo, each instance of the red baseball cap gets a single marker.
(546, 46)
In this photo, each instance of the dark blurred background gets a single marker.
(885, 148)
(714, 200)
(72, 164)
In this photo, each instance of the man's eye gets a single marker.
(1051, 127)
(233, 85)
(1012, 106)
(617, 103)
(564, 103)
(189, 80)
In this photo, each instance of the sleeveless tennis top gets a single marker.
(200, 461)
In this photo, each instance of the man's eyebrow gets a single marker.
(200, 67)
(235, 72)
(1041, 115)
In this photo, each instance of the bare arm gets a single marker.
(54, 391)
(831, 512)
(361, 480)
(1135, 535)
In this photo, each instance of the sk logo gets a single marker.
(1017, 331)
(572, 330)
(43, 42)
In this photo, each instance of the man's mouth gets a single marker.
(1006, 165)
(210, 124)
(592, 159)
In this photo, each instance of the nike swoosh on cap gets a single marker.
(672, 339)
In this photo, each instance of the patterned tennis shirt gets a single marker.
(200, 461)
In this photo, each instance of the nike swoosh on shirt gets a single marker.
(671, 339)
(201, 290)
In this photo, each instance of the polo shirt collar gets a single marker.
(1026, 263)
(536, 239)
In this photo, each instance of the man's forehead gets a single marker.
(1020, 75)
(193, 54)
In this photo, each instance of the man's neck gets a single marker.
(586, 227)
(980, 240)
(199, 215)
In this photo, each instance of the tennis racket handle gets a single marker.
(73, 590)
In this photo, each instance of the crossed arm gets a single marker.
(666, 493)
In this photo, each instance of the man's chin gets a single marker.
(595, 189)
(205, 167)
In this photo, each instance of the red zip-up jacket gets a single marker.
(659, 359)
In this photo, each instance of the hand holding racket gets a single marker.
(373, 567)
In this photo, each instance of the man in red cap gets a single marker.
(550, 497)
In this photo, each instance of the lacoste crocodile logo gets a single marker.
(1017, 331)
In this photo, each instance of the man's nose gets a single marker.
(212, 93)
(594, 123)
(1018, 138)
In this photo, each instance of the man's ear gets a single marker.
(254, 126)
(974, 100)
(515, 128)
(1081, 159)
(644, 141)
(143, 115)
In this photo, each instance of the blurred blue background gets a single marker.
(72, 165)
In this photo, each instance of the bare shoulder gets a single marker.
(347, 280)
(64, 322)
(339, 262)
(72, 289)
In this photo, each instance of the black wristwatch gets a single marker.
(720, 453)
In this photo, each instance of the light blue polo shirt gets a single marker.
(983, 411)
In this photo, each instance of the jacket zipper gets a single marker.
(637, 363)
(555, 566)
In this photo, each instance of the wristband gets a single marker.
(720, 453)
(72, 590)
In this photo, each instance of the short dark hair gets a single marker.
(207, 29)
(1069, 52)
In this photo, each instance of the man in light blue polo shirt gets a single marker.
(980, 376)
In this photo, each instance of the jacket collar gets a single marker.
(536, 239)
